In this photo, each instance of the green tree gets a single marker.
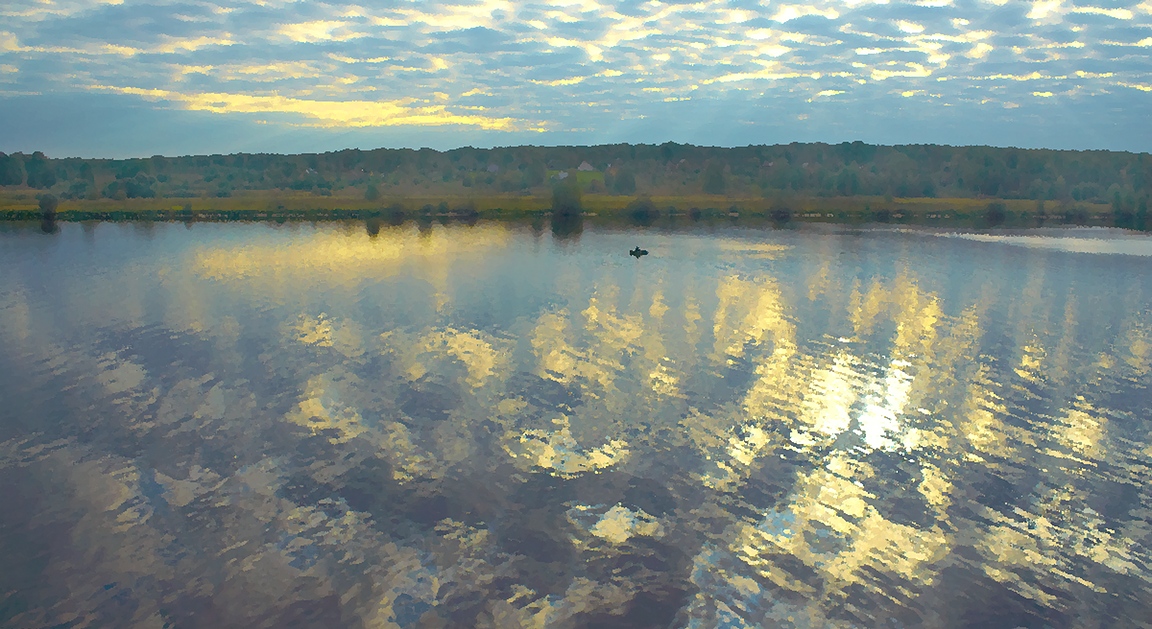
(131, 167)
(140, 187)
(535, 174)
(78, 190)
(566, 197)
(624, 182)
(11, 170)
(847, 182)
(40, 172)
(372, 193)
(714, 178)
(114, 191)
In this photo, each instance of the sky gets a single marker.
(124, 78)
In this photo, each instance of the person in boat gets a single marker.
(638, 252)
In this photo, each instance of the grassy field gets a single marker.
(22, 204)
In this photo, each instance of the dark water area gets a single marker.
(500, 425)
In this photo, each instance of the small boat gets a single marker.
(638, 252)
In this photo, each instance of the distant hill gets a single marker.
(781, 171)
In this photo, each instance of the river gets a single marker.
(503, 425)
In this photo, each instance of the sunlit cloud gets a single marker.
(321, 113)
(790, 12)
(44, 9)
(826, 94)
(909, 27)
(318, 31)
(1119, 14)
(1041, 9)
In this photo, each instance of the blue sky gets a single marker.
(118, 78)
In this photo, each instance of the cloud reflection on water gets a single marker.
(828, 431)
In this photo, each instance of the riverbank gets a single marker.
(23, 205)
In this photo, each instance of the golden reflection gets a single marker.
(410, 461)
(345, 336)
(1059, 364)
(119, 375)
(755, 250)
(558, 453)
(982, 422)
(593, 356)
(826, 410)
(610, 332)
(557, 357)
(616, 525)
(867, 307)
(880, 422)
(936, 487)
(478, 354)
(764, 316)
(692, 318)
(324, 406)
(1082, 430)
(1031, 360)
(830, 526)
(1033, 553)
(484, 357)
(1137, 340)
(349, 256)
(731, 447)
(819, 283)
(748, 311)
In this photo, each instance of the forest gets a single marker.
(1119, 179)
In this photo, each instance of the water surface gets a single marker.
(247, 425)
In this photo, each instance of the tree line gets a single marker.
(811, 169)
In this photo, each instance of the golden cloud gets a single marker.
(318, 31)
(325, 113)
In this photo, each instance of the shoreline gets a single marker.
(641, 210)
(375, 221)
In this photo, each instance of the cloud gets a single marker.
(789, 12)
(8, 42)
(324, 113)
(825, 94)
(567, 64)
(1042, 9)
(318, 31)
(1119, 14)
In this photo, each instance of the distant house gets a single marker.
(493, 168)
(562, 174)
(585, 166)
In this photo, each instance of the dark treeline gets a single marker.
(848, 169)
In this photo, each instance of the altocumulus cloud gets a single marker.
(1060, 73)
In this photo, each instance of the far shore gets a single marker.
(23, 206)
